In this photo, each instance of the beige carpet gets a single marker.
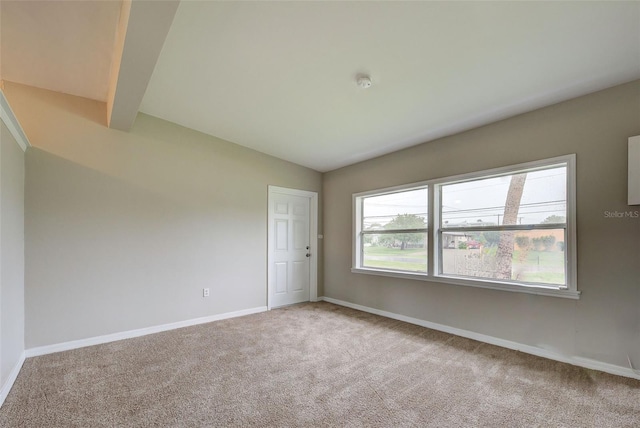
(312, 365)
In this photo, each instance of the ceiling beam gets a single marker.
(142, 30)
(11, 121)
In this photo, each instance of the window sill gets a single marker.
(512, 287)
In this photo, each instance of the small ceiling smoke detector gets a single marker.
(363, 81)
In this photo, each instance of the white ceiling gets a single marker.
(279, 77)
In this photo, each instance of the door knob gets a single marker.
(308, 255)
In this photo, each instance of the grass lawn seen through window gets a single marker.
(546, 267)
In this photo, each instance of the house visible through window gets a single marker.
(510, 228)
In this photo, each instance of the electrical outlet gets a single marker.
(205, 292)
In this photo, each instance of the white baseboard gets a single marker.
(8, 384)
(533, 350)
(75, 344)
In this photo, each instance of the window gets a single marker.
(394, 231)
(510, 228)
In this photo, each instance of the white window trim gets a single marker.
(433, 275)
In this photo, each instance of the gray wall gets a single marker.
(123, 230)
(604, 324)
(11, 253)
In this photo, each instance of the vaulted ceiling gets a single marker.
(280, 77)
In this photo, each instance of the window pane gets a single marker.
(395, 251)
(393, 211)
(532, 197)
(535, 256)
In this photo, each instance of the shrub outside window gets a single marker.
(510, 228)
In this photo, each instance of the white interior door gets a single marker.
(290, 249)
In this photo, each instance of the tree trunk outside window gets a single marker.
(504, 255)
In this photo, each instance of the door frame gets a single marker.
(313, 238)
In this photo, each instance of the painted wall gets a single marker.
(124, 230)
(604, 325)
(12, 172)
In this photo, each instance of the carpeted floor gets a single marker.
(309, 365)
